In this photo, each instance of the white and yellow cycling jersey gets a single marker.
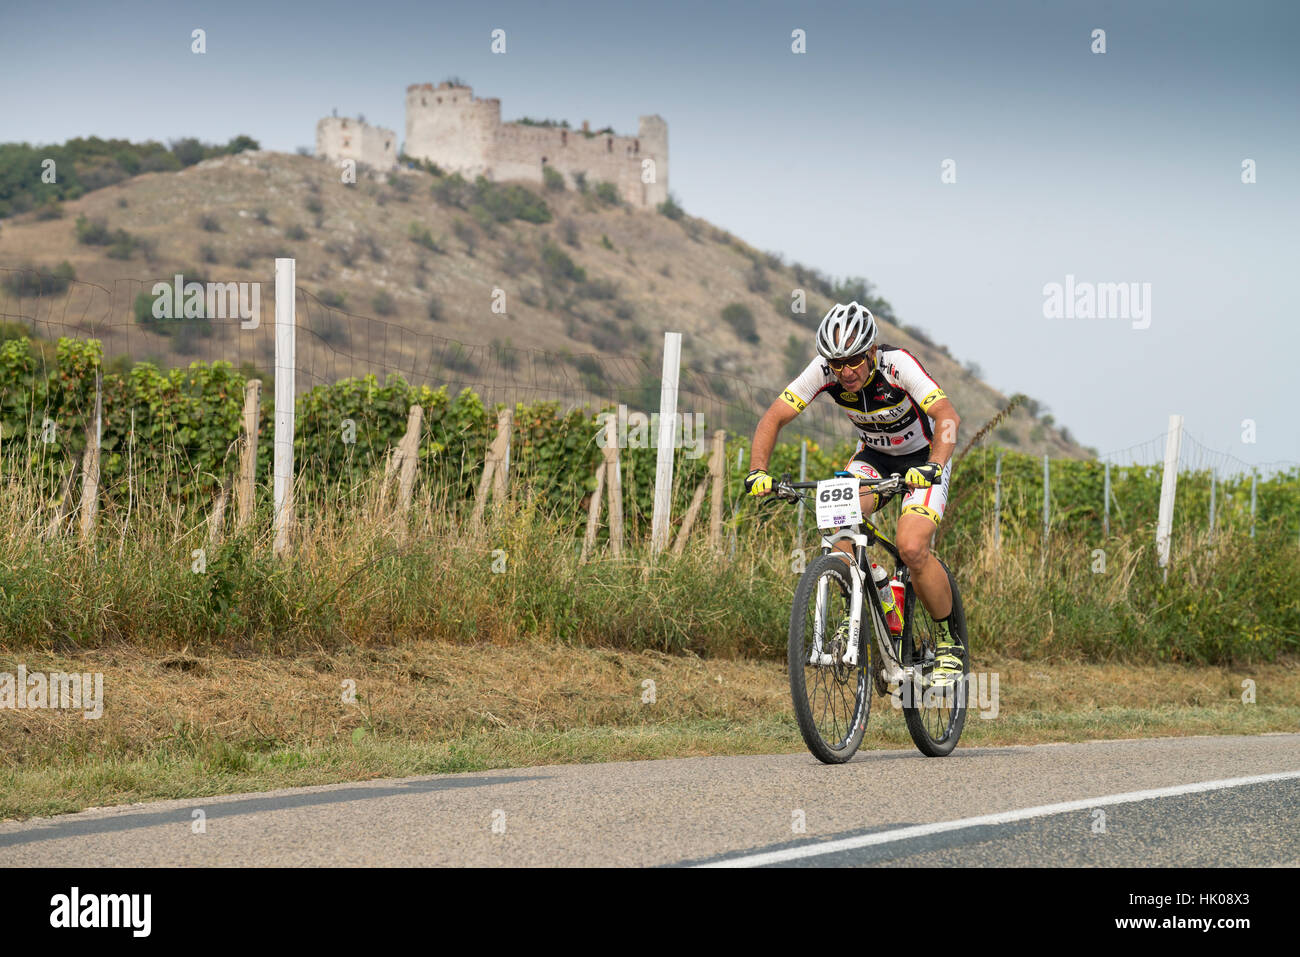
(890, 411)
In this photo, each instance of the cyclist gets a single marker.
(891, 400)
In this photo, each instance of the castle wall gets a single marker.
(521, 151)
(448, 126)
(339, 137)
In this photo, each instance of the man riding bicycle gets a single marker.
(891, 399)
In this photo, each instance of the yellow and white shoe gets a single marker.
(948, 667)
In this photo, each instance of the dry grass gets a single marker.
(179, 724)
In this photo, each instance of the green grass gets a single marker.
(175, 771)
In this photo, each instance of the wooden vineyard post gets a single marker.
(689, 520)
(403, 462)
(593, 513)
(410, 452)
(55, 525)
(692, 513)
(502, 470)
(247, 482)
(716, 469)
(218, 517)
(494, 477)
(90, 466)
(614, 484)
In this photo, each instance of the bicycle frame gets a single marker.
(893, 668)
(900, 672)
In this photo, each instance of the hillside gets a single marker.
(393, 267)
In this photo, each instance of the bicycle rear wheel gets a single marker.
(831, 701)
(935, 717)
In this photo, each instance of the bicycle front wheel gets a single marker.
(831, 699)
(935, 716)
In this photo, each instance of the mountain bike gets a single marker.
(832, 669)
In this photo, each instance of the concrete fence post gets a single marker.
(663, 501)
(1168, 489)
(285, 367)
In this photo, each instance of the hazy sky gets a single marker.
(1124, 166)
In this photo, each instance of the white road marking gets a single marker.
(1005, 817)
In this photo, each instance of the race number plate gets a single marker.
(837, 503)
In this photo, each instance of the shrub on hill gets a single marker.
(741, 319)
(29, 281)
(670, 208)
(607, 193)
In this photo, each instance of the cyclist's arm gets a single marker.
(790, 403)
(946, 421)
(774, 419)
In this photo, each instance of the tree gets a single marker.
(188, 150)
(240, 143)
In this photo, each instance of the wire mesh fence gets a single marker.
(172, 321)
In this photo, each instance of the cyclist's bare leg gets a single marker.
(928, 576)
(870, 502)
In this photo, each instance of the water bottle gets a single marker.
(886, 589)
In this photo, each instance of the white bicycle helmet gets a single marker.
(846, 331)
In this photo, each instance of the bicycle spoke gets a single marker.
(936, 719)
(829, 696)
(848, 708)
(822, 688)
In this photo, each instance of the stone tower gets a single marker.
(652, 131)
(448, 126)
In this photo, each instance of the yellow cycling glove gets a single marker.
(758, 482)
(923, 476)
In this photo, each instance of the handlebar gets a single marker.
(790, 491)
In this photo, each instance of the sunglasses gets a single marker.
(852, 362)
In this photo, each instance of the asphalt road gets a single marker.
(1066, 804)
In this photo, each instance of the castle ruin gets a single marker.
(341, 138)
(461, 133)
